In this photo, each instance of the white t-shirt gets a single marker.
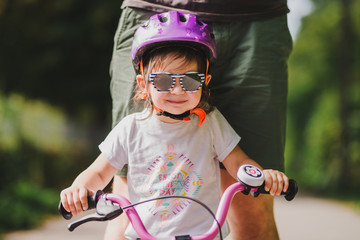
(171, 159)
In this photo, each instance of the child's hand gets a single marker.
(74, 199)
(275, 182)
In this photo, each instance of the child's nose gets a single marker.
(177, 89)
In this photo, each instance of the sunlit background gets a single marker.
(55, 105)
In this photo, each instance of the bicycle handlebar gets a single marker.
(110, 206)
(288, 195)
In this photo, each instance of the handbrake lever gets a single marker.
(105, 210)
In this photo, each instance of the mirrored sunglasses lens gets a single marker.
(191, 82)
(163, 82)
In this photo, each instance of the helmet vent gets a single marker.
(163, 19)
(182, 18)
(200, 23)
(171, 29)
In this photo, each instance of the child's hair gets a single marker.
(155, 59)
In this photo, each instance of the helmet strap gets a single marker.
(184, 116)
(207, 71)
(207, 67)
(142, 68)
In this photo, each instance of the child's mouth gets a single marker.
(176, 101)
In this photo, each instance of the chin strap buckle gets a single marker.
(186, 119)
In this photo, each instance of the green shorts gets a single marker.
(249, 80)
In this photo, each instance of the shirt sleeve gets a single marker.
(114, 147)
(224, 136)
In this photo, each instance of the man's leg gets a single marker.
(250, 88)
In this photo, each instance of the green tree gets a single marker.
(54, 99)
(59, 51)
(323, 147)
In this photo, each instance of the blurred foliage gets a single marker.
(315, 127)
(34, 121)
(54, 99)
(59, 51)
(22, 206)
(41, 152)
(38, 143)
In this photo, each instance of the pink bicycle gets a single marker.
(109, 206)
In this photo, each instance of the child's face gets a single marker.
(177, 100)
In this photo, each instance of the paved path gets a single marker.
(305, 218)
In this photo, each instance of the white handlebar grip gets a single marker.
(250, 175)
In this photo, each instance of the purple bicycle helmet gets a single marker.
(173, 28)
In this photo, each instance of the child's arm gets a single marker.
(96, 176)
(275, 181)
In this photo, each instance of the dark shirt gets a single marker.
(216, 10)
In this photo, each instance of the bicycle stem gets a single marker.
(222, 210)
(132, 215)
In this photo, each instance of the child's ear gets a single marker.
(141, 82)
(207, 80)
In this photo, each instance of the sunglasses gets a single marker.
(164, 81)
